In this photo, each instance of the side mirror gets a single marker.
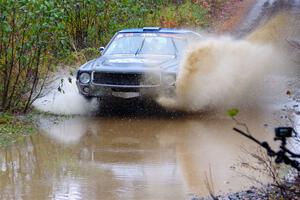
(101, 49)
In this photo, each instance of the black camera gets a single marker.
(283, 132)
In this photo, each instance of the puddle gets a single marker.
(127, 158)
(134, 155)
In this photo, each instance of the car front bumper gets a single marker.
(124, 91)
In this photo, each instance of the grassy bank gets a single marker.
(14, 128)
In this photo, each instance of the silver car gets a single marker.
(136, 63)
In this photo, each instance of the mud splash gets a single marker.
(221, 72)
(66, 102)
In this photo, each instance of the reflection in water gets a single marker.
(64, 131)
(124, 158)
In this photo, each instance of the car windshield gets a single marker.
(146, 43)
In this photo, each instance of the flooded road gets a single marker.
(115, 157)
(139, 151)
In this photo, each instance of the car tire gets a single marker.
(88, 98)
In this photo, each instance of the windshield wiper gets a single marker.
(138, 51)
(176, 49)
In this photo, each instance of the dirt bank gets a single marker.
(231, 15)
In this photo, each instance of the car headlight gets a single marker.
(169, 79)
(84, 78)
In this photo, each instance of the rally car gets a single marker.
(140, 62)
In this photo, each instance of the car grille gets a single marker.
(131, 79)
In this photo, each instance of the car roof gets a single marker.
(155, 30)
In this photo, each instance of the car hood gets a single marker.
(133, 63)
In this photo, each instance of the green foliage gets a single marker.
(73, 59)
(184, 15)
(232, 112)
(90, 53)
(79, 57)
(91, 23)
(5, 118)
(31, 36)
(37, 34)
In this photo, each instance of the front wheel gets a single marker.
(88, 98)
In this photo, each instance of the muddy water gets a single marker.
(124, 157)
(139, 151)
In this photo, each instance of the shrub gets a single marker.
(31, 36)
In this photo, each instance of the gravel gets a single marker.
(265, 193)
